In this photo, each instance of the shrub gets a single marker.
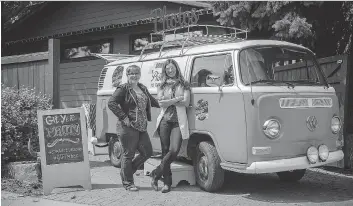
(19, 121)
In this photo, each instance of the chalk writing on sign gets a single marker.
(63, 138)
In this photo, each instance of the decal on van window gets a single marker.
(117, 76)
(156, 71)
(201, 110)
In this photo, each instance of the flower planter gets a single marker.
(26, 171)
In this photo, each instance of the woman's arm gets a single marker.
(115, 101)
(185, 101)
(154, 102)
(166, 103)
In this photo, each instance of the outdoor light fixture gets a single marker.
(272, 128)
(323, 152)
(335, 124)
(313, 154)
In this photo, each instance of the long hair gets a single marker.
(179, 79)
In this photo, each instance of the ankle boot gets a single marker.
(166, 188)
(154, 180)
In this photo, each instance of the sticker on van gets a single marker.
(156, 72)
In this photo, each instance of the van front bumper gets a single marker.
(282, 164)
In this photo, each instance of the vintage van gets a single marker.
(257, 106)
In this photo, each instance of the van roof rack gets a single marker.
(189, 38)
(111, 57)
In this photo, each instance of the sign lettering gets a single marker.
(171, 21)
(63, 138)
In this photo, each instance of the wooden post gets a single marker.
(348, 120)
(54, 66)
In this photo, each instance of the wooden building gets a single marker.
(49, 48)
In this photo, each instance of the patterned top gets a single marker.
(141, 115)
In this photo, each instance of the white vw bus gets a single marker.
(257, 106)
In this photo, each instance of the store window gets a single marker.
(81, 51)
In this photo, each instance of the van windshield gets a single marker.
(279, 65)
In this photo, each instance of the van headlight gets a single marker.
(272, 128)
(323, 152)
(335, 124)
(312, 154)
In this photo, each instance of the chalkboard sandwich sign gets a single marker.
(63, 148)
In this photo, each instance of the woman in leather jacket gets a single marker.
(131, 103)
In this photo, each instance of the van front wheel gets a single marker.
(291, 176)
(208, 172)
(115, 152)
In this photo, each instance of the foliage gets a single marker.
(325, 27)
(13, 11)
(19, 121)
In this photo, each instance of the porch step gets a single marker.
(180, 171)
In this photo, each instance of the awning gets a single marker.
(111, 57)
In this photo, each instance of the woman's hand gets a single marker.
(162, 98)
(168, 102)
(126, 122)
(180, 98)
(184, 100)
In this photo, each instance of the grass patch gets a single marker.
(23, 188)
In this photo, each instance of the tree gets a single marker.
(12, 11)
(325, 27)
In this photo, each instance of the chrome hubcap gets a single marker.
(116, 150)
(203, 169)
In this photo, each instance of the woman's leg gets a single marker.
(145, 151)
(129, 140)
(175, 143)
(164, 133)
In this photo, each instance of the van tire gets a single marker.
(115, 150)
(209, 174)
(291, 176)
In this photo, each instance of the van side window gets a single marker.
(210, 69)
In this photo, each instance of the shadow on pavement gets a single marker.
(315, 187)
(94, 164)
(108, 186)
(105, 186)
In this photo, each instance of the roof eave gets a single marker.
(194, 3)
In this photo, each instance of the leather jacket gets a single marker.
(123, 102)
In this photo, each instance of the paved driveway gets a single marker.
(318, 187)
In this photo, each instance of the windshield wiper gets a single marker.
(288, 83)
(272, 82)
(304, 82)
(268, 81)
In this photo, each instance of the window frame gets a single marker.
(229, 52)
(321, 76)
(80, 44)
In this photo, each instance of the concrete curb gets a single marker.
(13, 199)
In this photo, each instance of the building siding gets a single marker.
(78, 82)
(76, 16)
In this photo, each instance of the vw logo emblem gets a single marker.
(311, 123)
